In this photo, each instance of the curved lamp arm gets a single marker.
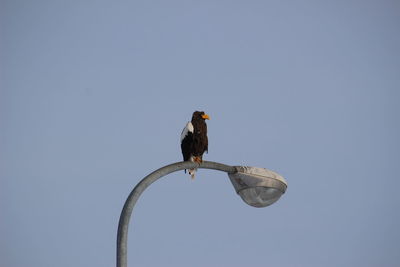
(122, 236)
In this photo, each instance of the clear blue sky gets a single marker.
(94, 95)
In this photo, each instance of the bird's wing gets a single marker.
(187, 141)
(188, 128)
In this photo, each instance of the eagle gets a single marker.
(194, 141)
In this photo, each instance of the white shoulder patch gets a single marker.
(188, 128)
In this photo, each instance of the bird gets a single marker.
(194, 140)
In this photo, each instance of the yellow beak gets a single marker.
(205, 116)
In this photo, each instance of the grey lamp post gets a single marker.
(257, 187)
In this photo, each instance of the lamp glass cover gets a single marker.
(260, 196)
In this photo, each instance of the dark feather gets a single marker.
(196, 143)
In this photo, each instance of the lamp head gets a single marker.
(258, 187)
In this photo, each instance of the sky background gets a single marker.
(94, 95)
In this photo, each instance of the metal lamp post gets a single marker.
(257, 187)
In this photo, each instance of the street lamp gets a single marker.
(257, 187)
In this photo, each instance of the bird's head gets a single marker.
(200, 115)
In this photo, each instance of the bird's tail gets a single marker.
(192, 173)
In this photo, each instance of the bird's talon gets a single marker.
(197, 160)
